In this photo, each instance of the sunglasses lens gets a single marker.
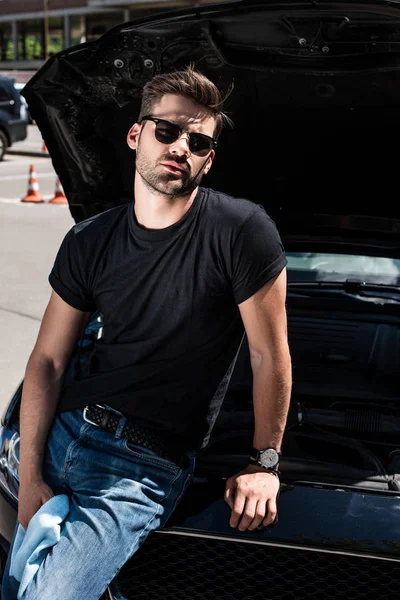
(200, 144)
(166, 133)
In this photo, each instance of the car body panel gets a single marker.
(8, 520)
(15, 129)
(337, 520)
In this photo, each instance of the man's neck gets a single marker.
(156, 211)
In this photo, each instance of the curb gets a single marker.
(28, 153)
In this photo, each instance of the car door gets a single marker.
(8, 105)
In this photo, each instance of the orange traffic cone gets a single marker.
(33, 194)
(59, 196)
(44, 148)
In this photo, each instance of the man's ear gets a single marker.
(209, 162)
(133, 136)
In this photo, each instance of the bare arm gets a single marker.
(264, 317)
(252, 493)
(59, 331)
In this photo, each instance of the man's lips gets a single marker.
(173, 167)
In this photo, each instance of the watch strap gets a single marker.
(272, 470)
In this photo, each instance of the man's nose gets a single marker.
(181, 145)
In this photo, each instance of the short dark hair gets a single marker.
(191, 84)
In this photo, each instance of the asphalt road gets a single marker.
(30, 235)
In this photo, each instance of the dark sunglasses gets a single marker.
(167, 133)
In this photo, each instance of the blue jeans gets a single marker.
(118, 493)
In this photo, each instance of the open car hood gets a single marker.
(315, 104)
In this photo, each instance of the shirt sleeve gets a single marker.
(258, 255)
(69, 275)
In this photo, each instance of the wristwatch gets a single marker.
(267, 458)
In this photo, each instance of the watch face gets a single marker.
(269, 458)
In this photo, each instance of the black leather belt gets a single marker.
(109, 419)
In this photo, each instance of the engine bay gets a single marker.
(343, 425)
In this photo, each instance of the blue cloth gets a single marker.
(31, 546)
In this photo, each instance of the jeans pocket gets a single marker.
(146, 455)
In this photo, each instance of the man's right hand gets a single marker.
(31, 497)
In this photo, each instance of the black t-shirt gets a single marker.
(169, 300)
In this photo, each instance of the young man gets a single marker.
(176, 274)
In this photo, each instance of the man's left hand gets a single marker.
(251, 495)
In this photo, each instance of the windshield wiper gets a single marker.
(353, 287)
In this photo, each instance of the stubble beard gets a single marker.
(166, 184)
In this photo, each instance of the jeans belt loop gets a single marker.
(120, 428)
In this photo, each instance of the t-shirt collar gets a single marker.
(167, 232)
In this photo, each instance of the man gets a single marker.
(176, 274)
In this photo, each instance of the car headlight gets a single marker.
(13, 455)
(9, 462)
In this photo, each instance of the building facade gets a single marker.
(33, 30)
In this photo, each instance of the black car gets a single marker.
(315, 103)
(13, 122)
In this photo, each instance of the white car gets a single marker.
(24, 111)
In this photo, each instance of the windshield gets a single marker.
(310, 266)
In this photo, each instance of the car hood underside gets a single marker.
(314, 105)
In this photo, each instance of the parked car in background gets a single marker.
(315, 104)
(13, 116)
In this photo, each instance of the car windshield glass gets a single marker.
(315, 266)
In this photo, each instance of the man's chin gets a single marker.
(173, 185)
(175, 188)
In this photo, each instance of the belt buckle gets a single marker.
(85, 417)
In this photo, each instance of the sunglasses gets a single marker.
(167, 133)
